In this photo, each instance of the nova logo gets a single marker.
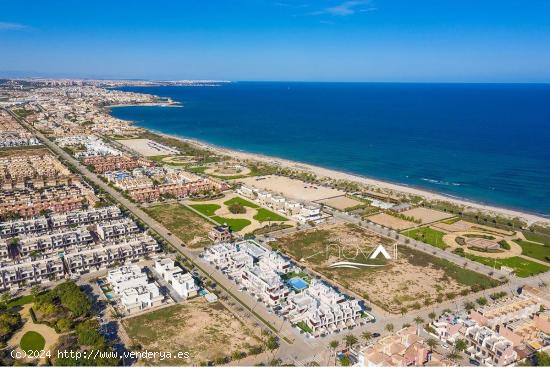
(353, 256)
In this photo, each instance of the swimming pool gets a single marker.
(109, 295)
(297, 283)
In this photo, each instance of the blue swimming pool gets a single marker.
(297, 283)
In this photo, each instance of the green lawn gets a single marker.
(235, 224)
(264, 215)
(32, 341)
(534, 250)
(522, 267)
(427, 235)
(451, 220)
(535, 237)
(243, 202)
(206, 209)
(20, 301)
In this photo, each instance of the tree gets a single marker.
(333, 345)
(350, 340)
(418, 320)
(432, 315)
(367, 336)
(482, 301)
(432, 343)
(389, 328)
(469, 306)
(542, 359)
(345, 361)
(460, 345)
(272, 343)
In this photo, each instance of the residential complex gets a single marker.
(315, 307)
(181, 281)
(132, 286)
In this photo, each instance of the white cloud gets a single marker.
(346, 8)
(7, 26)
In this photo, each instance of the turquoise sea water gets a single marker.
(488, 143)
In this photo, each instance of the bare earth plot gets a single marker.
(340, 202)
(291, 188)
(391, 221)
(427, 215)
(147, 148)
(412, 281)
(206, 331)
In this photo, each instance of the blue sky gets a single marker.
(332, 40)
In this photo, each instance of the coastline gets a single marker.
(530, 218)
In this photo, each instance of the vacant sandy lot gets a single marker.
(340, 202)
(391, 221)
(206, 331)
(427, 215)
(291, 188)
(148, 148)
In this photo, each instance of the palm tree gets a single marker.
(432, 315)
(333, 345)
(432, 343)
(367, 336)
(460, 345)
(418, 320)
(389, 327)
(350, 340)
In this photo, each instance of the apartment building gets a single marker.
(507, 309)
(404, 348)
(28, 272)
(102, 164)
(116, 228)
(95, 258)
(261, 273)
(53, 242)
(59, 199)
(451, 327)
(488, 348)
(323, 309)
(302, 212)
(181, 281)
(131, 285)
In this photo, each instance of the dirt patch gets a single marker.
(292, 188)
(390, 221)
(206, 331)
(340, 202)
(426, 215)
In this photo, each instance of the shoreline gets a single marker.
(530, 218)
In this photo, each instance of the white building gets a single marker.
(133, 288)
(182, 282)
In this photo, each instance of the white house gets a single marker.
(181, 281)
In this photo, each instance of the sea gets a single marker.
(486, 143)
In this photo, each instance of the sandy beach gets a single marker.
(325, 172)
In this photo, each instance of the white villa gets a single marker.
(133, 288)
(182, 281)
(262, 273)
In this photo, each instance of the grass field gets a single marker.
(264, 215)
(534, 250)
(32, 342)
(427, 235)
(236, 224)
(451, 220)
(206, 209)
(239, 200)
(535, 237)
(522, 267)
(188, 226)
(20, 301)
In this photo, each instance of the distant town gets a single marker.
(116, 241)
